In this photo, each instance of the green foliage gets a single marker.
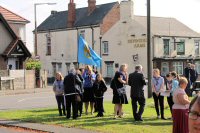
(32, 64)
(105, 124)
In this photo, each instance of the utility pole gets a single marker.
(149, 55)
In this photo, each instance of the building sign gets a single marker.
(138, 43)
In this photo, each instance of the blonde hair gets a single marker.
(123, 66)
(157, 71)
(61, 77)
(183, 80)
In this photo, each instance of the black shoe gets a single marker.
(140, 119)
(163, 118)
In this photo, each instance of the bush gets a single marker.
(32, 64)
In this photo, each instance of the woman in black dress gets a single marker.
(119, 91)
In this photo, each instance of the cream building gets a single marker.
(118, 36)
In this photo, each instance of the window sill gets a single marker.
(105, 54)
(48, 54)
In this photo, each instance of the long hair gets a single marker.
(175, 75)
(60, 75)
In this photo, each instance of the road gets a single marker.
(38, 100)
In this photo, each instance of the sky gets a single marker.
(186, 11)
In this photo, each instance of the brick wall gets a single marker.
(30, 79)
(110, 19)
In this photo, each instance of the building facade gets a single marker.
(13, 51)
(118, 36)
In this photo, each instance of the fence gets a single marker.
(23, 79)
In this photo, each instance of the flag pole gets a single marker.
(77, 45)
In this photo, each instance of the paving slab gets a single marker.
(43, 127)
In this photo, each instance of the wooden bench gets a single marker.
(10, 79)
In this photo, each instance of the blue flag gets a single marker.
(86, 54)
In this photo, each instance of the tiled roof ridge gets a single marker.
(14, 14)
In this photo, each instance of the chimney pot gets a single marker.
(91, 6)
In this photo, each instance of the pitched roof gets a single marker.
(59, 19)
(166, 27)
(16, 41)
(11, 16)
(12, 46)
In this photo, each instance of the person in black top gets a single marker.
(119, 90)
(71, 89)
(193, 74)
(137, 81)
(187, 74)
(80, 103)
(99, 89)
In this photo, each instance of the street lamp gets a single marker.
(35, 13)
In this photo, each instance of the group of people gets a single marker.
(78, 87)
(84, 86)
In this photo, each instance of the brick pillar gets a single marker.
(71, 18)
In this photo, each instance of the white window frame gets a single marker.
(164, 44)
(197, 66)
(105, 47)
(196, 47)
(182, 42)
(108, 73)
(178, 65)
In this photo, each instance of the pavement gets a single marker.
(42, 127)
(35, 126)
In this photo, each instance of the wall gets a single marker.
(64, 48)
(5, 38)
(20, 30)
(23, 79)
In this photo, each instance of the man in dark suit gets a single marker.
(137, 81)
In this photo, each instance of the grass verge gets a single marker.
(106, 124)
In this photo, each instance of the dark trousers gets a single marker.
(80, 105)
(70, 101)
(137, 114)
(188, 90)
(60, 102)
(99, 106)
(170, 102)
(159, 99)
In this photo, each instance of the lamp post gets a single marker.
(35, 14)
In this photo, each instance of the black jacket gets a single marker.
(99, 88)
(136, 81)
(71, 84)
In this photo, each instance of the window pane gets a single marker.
(105, 47)
(166, 46)
(178, 67)
(197, 66)
(109, 69)
(181, 48)
(196, 47)
(48, 46)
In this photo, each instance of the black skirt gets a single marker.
(88, 95)
(120, 99)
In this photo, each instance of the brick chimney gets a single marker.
(91, 6)
(71, 18)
